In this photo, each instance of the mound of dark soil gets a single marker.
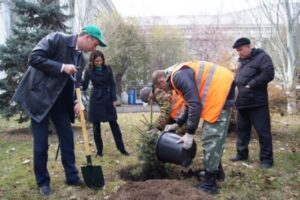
(171, 172)
(159, 190)
(127, 174)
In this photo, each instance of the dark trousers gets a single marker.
(259, 118)
(61, 120)
(116, 134)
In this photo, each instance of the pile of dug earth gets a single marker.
(159, 190)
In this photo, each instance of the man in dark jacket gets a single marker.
(47, 90)
(255, 70)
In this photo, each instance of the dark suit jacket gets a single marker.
(43, 82)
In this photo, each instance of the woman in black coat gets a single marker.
(102, 100)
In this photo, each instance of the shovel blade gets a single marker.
(93, 176)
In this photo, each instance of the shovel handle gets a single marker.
(57, 152)
(83, 125)
(151, 113)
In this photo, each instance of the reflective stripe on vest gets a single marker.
(200, 73)
(207, 83)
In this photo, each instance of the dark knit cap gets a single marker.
(240, 42)
(144, 93)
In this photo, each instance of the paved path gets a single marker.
(136, 108)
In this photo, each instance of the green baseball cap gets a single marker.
(95, 32)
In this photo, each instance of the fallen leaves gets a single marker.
(27, 161)
(12, 149)
(247, 165)
(269, 179)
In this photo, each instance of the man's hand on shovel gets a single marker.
(69, 68)
(78, 106)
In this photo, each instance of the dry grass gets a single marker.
(243, 181)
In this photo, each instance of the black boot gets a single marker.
(238, 158)
(209, 185)
(124, 152)
(220, 176)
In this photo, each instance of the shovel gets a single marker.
(92, 175)
(151, 108)
(57, 152)
(151, 113)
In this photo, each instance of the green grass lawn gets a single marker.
(244, 180)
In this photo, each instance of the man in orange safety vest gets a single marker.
(208, 91)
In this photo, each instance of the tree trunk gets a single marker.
(72, 13)
(49, 1)
(291, 102)
(118, 78)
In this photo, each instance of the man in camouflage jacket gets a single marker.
(163, 99)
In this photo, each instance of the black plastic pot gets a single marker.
(169, 150)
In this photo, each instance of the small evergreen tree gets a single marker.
(149, 166)
(34, 20)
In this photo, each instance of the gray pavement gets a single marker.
(136, 108)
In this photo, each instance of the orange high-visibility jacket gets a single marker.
(214, 83)
(178, 105)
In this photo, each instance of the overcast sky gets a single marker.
(140, 8)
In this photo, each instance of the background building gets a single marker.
(84, 12)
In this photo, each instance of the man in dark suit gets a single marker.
(47, 90)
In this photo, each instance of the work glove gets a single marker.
(153, 131)
(171, 127)
(187, 141)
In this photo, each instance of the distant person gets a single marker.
(103, 100)
(47, 91)
(255, 70)
(207, 90)
(170, 106)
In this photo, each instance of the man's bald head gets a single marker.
(156, 75)
(159, 80)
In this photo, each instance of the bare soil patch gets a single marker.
(24, 134)
(159, 190)
(16, 134)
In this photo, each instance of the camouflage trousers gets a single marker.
(213, 140)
